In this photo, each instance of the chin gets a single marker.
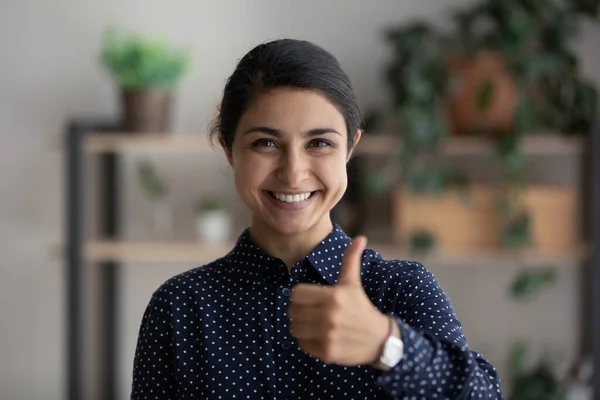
(289, 228)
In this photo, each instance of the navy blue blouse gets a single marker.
(221, 332)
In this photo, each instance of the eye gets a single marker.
(264, 142)
(319, 143)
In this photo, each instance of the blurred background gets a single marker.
(475, 162)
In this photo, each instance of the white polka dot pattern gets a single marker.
(221, 332)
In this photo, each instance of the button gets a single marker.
(286, 345)
(286, 291)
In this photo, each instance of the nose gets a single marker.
(293, 168)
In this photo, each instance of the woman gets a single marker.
(298, 309)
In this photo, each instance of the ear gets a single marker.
(357, 137)
(227, 151)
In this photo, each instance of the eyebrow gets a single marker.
(279, 133)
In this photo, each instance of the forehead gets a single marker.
(292, 111)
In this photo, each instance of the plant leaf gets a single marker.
(485, 95)
(375, 184)
(530, 283)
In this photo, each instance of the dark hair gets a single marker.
(285, 63)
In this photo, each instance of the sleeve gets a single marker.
(437, 362)
(154, 363)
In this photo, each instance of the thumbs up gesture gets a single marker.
(339, 324)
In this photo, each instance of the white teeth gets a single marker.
(291, 198)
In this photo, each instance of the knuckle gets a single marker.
(330, 338)
(336, 299)
(328, 355)
(332, 323)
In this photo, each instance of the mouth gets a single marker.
(291, 198)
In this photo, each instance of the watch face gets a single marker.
(393, 351)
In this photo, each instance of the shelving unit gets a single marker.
(98, 251)
(375, 144)
(101, 139)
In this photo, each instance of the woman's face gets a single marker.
(289, 155)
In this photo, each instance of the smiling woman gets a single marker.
(297, 308)
(288, 144)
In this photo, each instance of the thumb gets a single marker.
(350, 270)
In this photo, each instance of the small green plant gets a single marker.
(422, 242)
(149, 181)
(137, 62)
(208, 204)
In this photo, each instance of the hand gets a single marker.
(339, 324)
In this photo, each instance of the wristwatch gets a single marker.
(393, 348)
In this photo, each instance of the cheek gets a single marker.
(332, 173)
(251, 171)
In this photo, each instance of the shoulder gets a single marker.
(402, 272)
(185, 284)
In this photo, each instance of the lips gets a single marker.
(291, 197)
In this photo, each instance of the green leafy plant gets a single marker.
(417, 79)
(538, 381)
(138, 62)
(149, 181)
(531, 382)
(208, 204)
(534, 40)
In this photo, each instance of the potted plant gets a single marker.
(156, 191)
(213, 222)
(505, 69)
(146, 71)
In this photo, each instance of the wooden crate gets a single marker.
(554, 213)
(476, 226)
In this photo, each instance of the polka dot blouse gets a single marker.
(221, 332)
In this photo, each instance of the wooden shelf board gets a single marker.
(101, 251)
(147, 142)
(160, 251)
(538, 144)
(378, 144)
(531, 258)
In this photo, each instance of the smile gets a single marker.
(291, 198)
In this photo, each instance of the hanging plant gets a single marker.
(511, 66)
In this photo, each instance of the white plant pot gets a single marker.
(213, 227)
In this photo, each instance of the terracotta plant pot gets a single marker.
(469, 76)
(146, 110)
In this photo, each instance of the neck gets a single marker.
(290, 248)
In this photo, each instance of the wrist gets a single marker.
(392, 331)
(383, 333)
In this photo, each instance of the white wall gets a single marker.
(49, 72)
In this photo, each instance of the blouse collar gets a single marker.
(326, 258)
